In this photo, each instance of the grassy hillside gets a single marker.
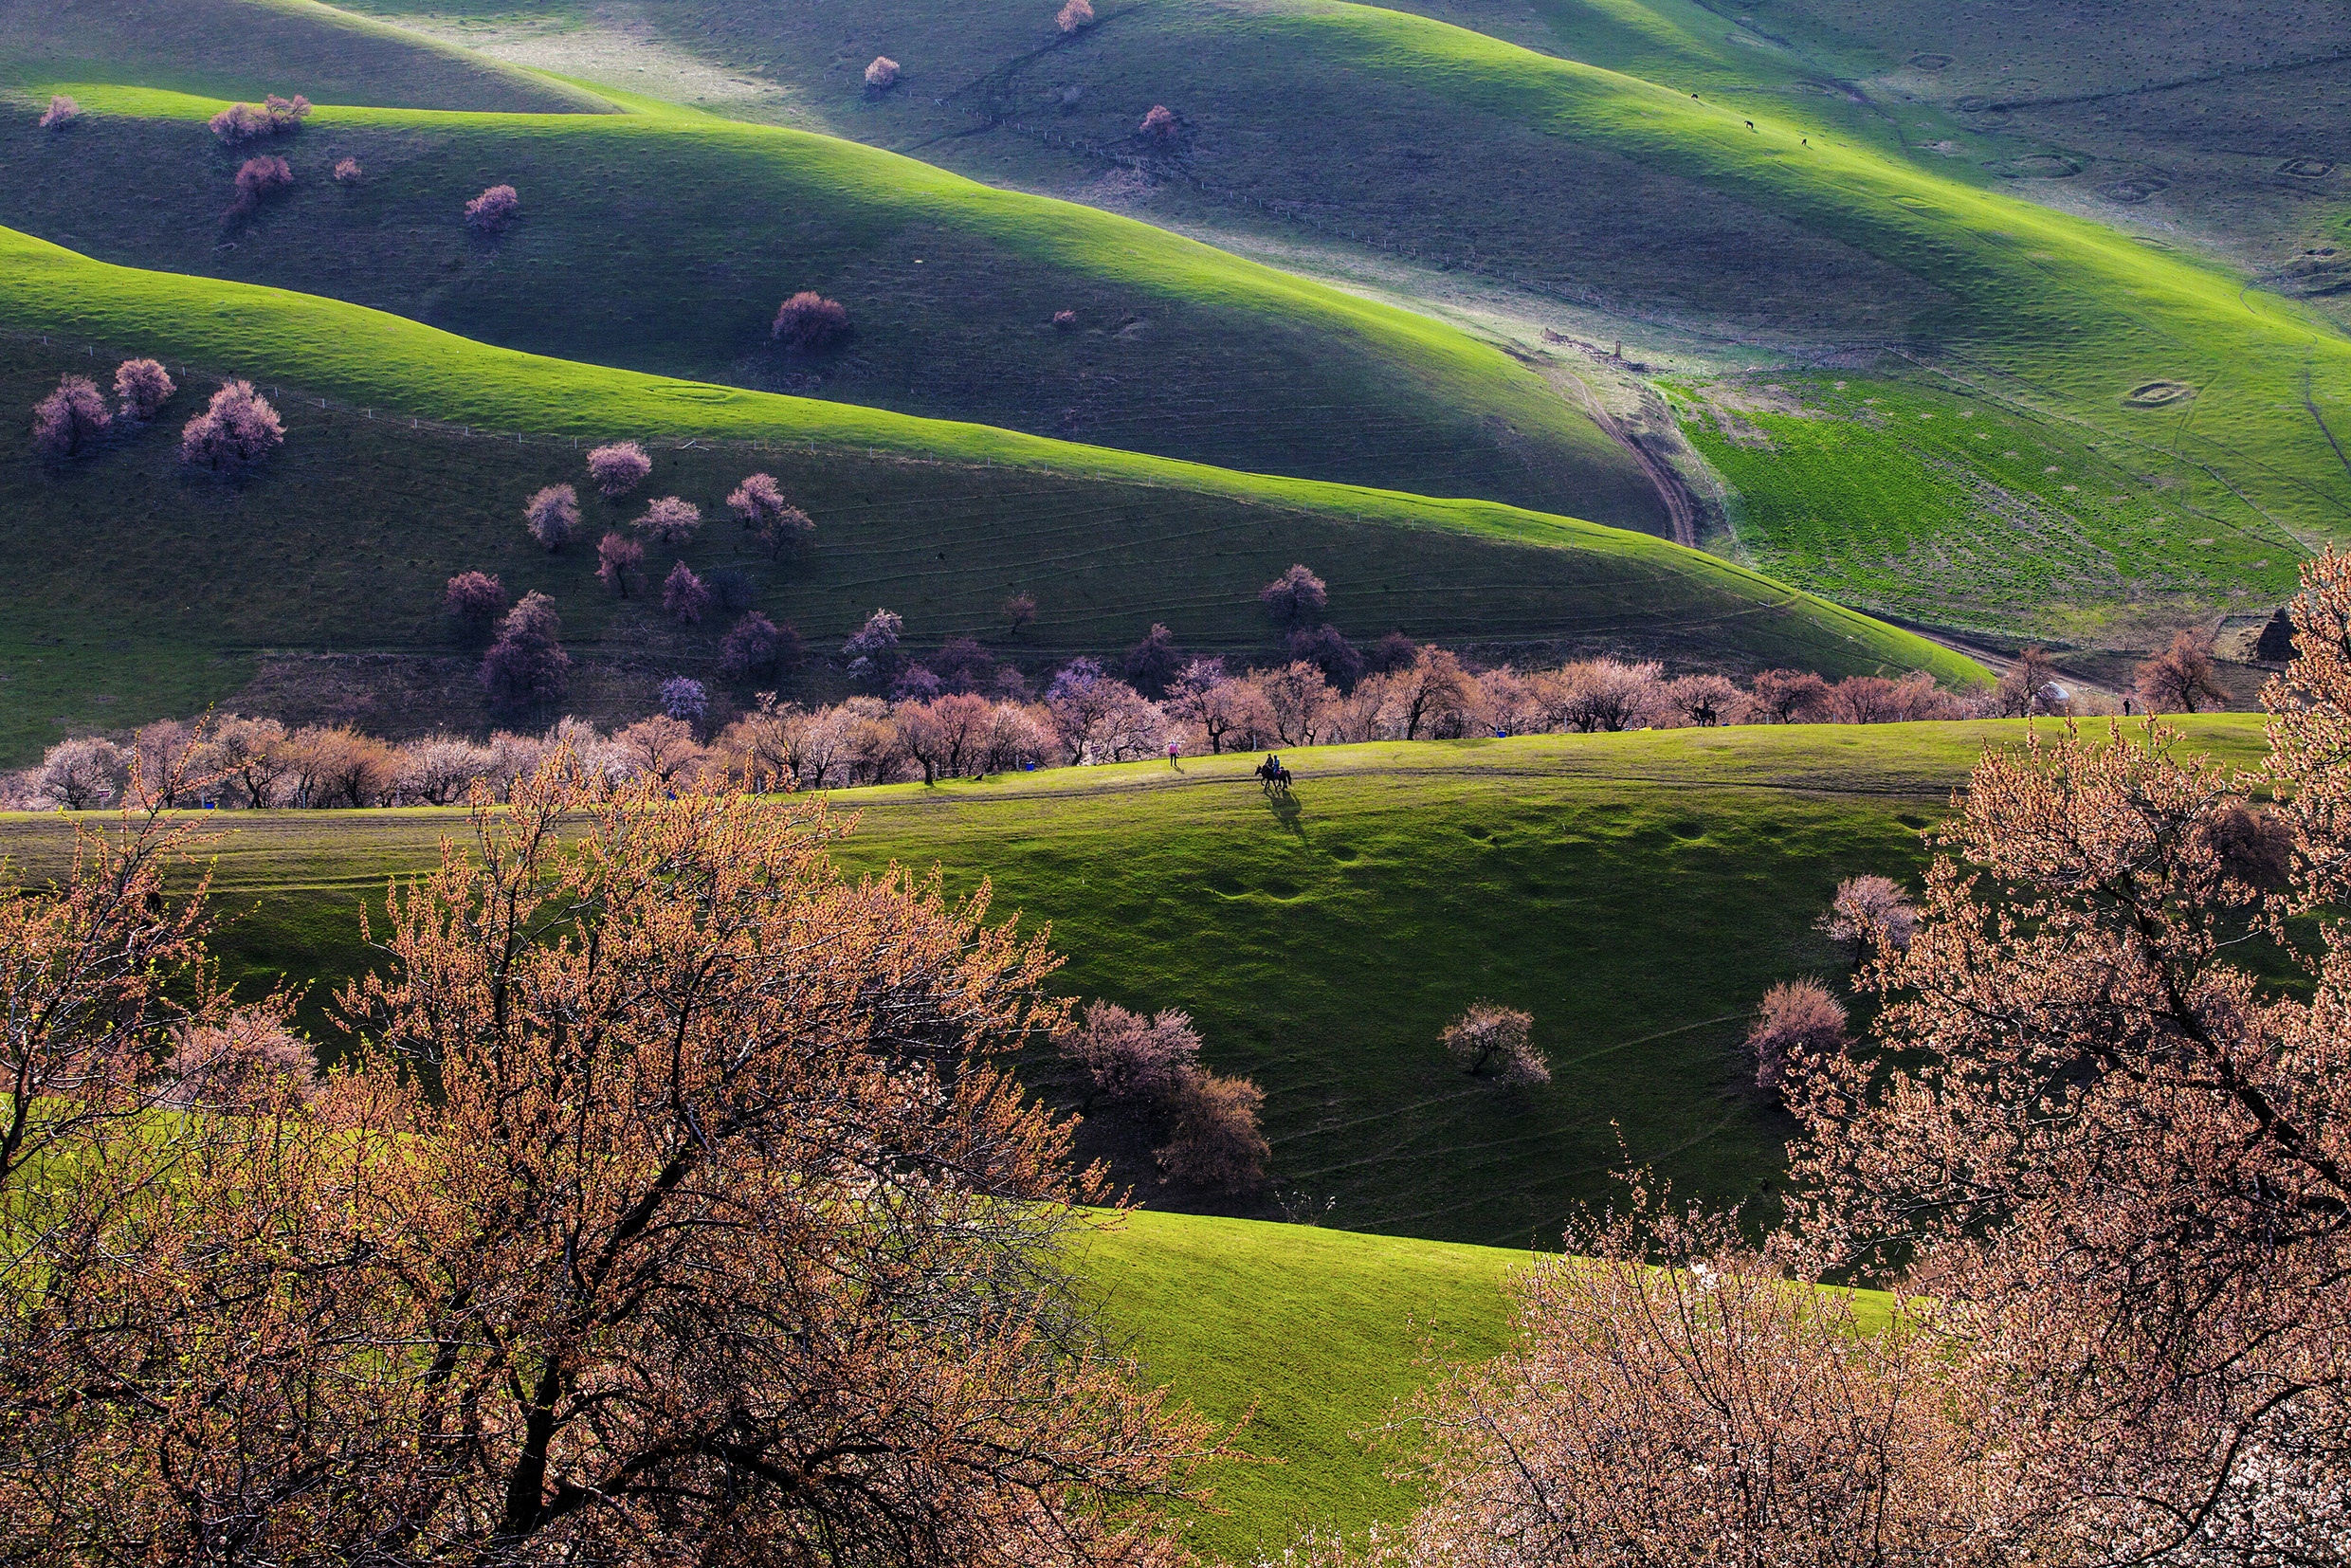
(663, 242)
(244, 49)
(143, 592)
(1451, 149)
(1635, 893)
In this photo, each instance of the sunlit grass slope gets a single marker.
(1635, 893)
(244, 49)
(142, 592)
(1405, 133)
(662, 241)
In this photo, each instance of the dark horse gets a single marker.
(1275, 777)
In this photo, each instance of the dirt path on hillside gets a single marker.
(1681, 504)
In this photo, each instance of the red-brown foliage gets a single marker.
(257, 177)
(70, 421)
(1213, 1139)
(1702, 700)
(142, 387)
(1159, 128)
(1295, 598)
(285, 114)
(2180, 679)
(237, 430)
(807, 322)
(1019, 611)
(492, 211)
(619, 467)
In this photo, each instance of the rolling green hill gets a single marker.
(1832, 224)
(245, 48)
(143, 592)
(1635, 893)
(662, 241)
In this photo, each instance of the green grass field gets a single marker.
(662, 241)
(343, 542)
(1635, 893)
(1449, 148)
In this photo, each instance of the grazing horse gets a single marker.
(1274, 777)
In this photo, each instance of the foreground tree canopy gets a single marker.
(672, 1208)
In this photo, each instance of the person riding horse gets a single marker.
(1271, 774)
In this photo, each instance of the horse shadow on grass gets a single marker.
(1284, 805)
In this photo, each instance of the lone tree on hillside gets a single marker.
(1019, 612)
(1294, 598)
(259, 177)
(62, 111)
(809, 323)
(670, 521)
(883, 74)
(1868, 912)
(1153, 661)
(619, 468)
(347, 172)
(1500, 1035)
(237, 430)
(756, 647)
(474, 599)
(492, 211)
(527, 668)
(1159, 128)
(1213, 1137)
(1075, 17)
(2180, 679)
(759, 503)
(141, 387)
(685, 599)
(1128, 1056)
(70, 421)
(1797, 1027)
(552, 515)
(618, 558)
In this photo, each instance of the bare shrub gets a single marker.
(1503, 1036)
(64, 111)
(1213, 1137)
(492, 211)
(552, 515)
(1128, 1057)
(807, 322)
(286, 114)
(883, 74)
(1800, 1023)
(1019, 612)
(619, 467)
(142, 388)
(1868, 910)
(237, 430)
(70, 422)
(1153, 661)
(2254, 844)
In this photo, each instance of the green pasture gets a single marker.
(145, 592)
(662, 241)
(1961, 510)
(1635, 893)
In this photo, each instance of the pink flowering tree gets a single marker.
(240, 123)
(142, 387)
(1075, 17)
(347, 172)
(285, 114)
(807, 322)
(527, 668)
(235, 431)
(618, 560)
(474, 599)
(883, 74)
(619, 467)
(1294, 598)
(670, 521)
(684, 598)
(492, 211)
(756, 647)
(70, 421)
(1160, 127)
(758, 502)
(260, 177)
(62, 111)
(553, 515)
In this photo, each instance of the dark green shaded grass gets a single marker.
(1635, 893)
(662, 241)
(142, 589)
(247, 48)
